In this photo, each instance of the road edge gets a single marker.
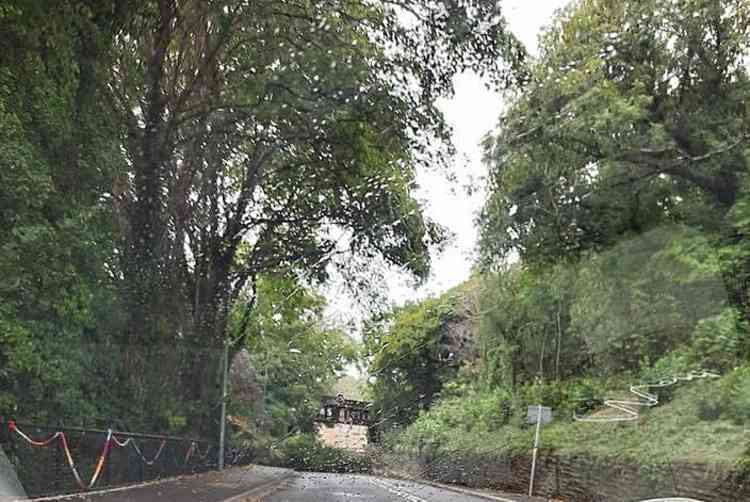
(462, 491)
(145, 484)
(102, 491)
(465, 491)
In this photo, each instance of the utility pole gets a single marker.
(223, 422)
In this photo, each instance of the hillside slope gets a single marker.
(695, 422)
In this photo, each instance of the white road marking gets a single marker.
(400, 493)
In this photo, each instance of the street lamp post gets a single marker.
(223, 422)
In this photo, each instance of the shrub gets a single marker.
(549, 394)
(454, 420)
(718, 341)
(735, 394)
(586, 395)
(709, 409)
(676, 363)
(304, 452)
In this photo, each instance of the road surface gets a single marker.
(207, 487)
(266, 484)
(314, 487)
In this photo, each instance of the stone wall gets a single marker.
(346, 436)
(575, 479)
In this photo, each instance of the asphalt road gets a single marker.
(266, 484)
(313, 487)
(208, 487)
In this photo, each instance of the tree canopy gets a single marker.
(634, 116)
(612, 240)
(160, 157)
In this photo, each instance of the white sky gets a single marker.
(472, 113)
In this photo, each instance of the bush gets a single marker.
(549, 394)
(731, 400)
(586, 395)
(718, 341)
(573, 396)
(709, 409)
(455, 420)
(676, 363)
(735, 395)
(304, 452)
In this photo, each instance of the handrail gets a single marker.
(631, 409)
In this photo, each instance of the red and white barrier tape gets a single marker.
(156, 457)
(64, 441)
(189, 452)
(12, 426)
(111, 438)
(122, 444)
(99, 463)
(131, 441)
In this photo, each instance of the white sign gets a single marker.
(533, 413)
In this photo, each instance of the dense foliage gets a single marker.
(294, 359)
(617, 174)
(304, 452)
(164, 162)
(612, 242)
(634, 117)
(411, 354)
(57, 146)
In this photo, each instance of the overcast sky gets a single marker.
(472, 113)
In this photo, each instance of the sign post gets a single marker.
(536, 414)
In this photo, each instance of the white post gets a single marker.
(223, 422)
(536, 447)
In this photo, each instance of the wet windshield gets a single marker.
(449, 250)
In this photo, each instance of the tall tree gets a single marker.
(634, 115)
(261, 135)
(524, 326)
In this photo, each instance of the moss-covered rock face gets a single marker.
(458, 333)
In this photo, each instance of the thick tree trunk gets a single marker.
(201, 375)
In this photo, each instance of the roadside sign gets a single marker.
(535, 411)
